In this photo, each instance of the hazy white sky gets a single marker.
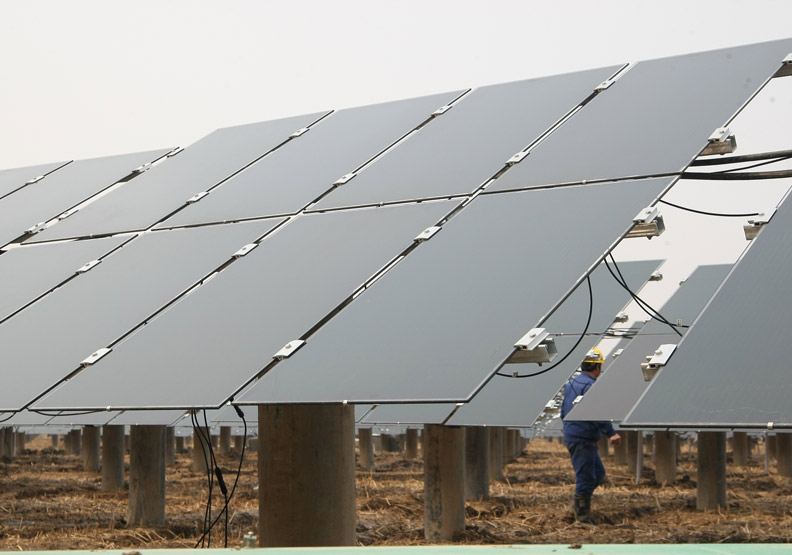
(89, 78)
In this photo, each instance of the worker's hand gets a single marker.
(615, 439)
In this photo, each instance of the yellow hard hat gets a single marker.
(594, 356)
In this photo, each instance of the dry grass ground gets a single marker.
(47, 502)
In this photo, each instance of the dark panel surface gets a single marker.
(655, 119)
(622, 382)
(519, 401)
(82, 419)
(404, 414)
(148, 418)
(732, 367)
(167, 186)
(451, 312)
(26, 273)
(64, 189)
(300, 171)
(48, 340)
(205, 348)
(14, 178)
(460, 150)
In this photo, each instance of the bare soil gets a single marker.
(48, 502)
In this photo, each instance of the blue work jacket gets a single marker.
(581, 430)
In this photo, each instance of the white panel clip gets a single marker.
(299, 132)
(196, 197)
(517, 158)
(244, 250)
(441, 110)
(756, 223)
(621, 317)
(656, 360)
(604, 85)
(646, 215)
(95, 356)
(87, 266)
(68, 213)
(36, 228)
(577, 399)
(34, 180)
(720, 135)
(770, 425)
(786, 67)
(175, 151)
(344, 178)
(427, 233)
(531, 340)
(656, 276)
(143, 168)
(289, 349)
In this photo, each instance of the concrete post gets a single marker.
(76, 442)
(711, 470)
(54, 439)
(444, 482)
(90, 448)
(411, 444)
(649, 443)
(225, 440)
(2, 443)
(170, 446)
(508, 446)
(620, 451)
(603, 446)
(740, 448)
(306, 475)
(200, 450)
(390, 443)
(477, 463)
(180, 444)
(21, 439)
(630, 437)
(147, 476)
(215, 442)
(784, 454)
(496, 452)
(239, 442)
(365, 449)
(665, 457)
(772, 446)
(112, 458)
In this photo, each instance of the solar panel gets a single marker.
(61, 190)
(450, 313)
(300, 171)
(148, 418)
(654, 119)
(83, 419)
(463, 148)
(732, 367)
(516, 402)
(49, 339)
(28, 272)
(169, 185)
(203, 349)
(16, 178)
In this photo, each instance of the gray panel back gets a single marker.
(622, 382)
(655, 119)
(463, 148)
(732, 367)
(519, 401)
(300, 171)
(437, 325)
(148, 418)
(205, 348)
(27, 272)
(48, 340)
(15, 178)
(64, 189)
(409, 413)
(166, 187)
(82, 419)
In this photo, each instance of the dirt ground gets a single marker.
(48, 502)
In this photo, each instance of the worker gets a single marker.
(581, 437)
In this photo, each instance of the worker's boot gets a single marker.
(583, 508)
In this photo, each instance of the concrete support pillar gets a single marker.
(306, 475)
(21, 439)
(112, 458)
(665, 457)
(444, 482)
(225, 440)
(200, 450)
(630, 438)
(76, 442)
(497, 434)
(603, 446)
(170, 446)
(215, 442)
(54, 439)
(784, 454)
(2, 442)
(390, 443)
(90, 448)
(477, 463)
(649, 443)
(508, 446)
(740, 448)
(620, 451)
(365, 449)
(180, 444)
(239, 442)
(127, 442)
(771, 446)
(9, 443)
(411, 444)
(711, 470)
(147, 476)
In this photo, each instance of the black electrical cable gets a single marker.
(236, 480)
(651, 312)
(582, 335)
(722, 215)
(61, 413)
(757, 165)
(8, 418)
(205, 441)
(724, 160)
(737, 176)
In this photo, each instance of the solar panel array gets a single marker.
(192, 317)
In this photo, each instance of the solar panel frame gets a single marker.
(13, 179)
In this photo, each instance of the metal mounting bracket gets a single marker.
(722, 141)
(441, 110)
(87, 266)
(34, 180)
(95, 356)
(786, 67)
(288, 349)
(175, 151)
(517, 158)
(196, 197)
(756, 223)
(344, 178)
(244, 250)
(299, 132)
(36, 228)
(427, 234)
(656, 360)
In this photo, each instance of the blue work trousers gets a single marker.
(586, 461)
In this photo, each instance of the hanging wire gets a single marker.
(747, 215)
